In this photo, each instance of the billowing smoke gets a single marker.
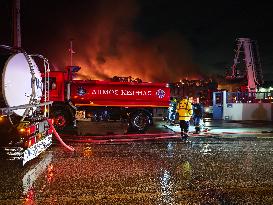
(106, 46)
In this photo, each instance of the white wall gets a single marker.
(247, 111)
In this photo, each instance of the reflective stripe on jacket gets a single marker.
(184, 109)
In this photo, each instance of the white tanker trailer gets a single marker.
(25, 129)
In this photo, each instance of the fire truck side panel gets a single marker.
(124, 94)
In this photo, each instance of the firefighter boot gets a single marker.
(197, 129)
(184, 136)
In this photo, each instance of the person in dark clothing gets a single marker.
(198, 111)
(172, 111)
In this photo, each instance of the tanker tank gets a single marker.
(18, 71)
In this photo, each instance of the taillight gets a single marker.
(26, 129)
(31, 129)
(22, 130)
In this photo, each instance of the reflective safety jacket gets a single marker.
(184, 110)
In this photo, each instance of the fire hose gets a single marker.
(59, 138)
(121, 140)
(119, 137)
(135, 135)
(112, 139)
(124, 137)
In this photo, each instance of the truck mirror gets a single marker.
(73, 69)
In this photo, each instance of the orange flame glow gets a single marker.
(109, 47)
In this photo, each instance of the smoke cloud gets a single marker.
(106, 45)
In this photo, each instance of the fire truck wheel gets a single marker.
(139, 121)
(60, 119)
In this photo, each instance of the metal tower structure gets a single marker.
(247, 64)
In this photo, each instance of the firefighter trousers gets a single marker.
(184, 125)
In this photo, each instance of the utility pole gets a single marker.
(16, 26)
(71, 52)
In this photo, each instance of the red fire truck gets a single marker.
(94, 100)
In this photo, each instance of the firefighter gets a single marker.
(198, 111)
(172, 111)
(184, 109)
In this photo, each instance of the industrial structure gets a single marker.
(247, 102)
(246, 66)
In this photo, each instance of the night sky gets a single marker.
(154, 40)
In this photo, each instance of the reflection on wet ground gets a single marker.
(203, 171)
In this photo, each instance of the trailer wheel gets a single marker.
(60, 119)
(140, 121)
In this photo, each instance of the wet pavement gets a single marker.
(228, 129)
(206, 170)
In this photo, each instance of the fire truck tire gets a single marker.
(61, 119)
(139, 121)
